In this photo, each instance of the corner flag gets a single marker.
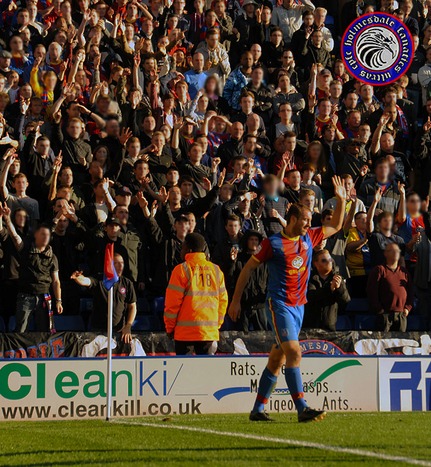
(110, 276)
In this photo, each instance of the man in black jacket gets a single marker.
(327, 291)
(253, 314)
(75, 151)
(314, 52)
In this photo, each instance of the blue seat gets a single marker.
(365, 322)
(86, 305)
(357, 305)
(415, 323)
(344, 323)
(157, 306)
(12, 323)
(69, 323)
(142, 305)
(143, 323)
(2, 325)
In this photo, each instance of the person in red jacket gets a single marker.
(390, 292)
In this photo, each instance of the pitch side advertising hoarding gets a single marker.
(75, 389)
(405, 384)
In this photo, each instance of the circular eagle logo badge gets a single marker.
(377, 48)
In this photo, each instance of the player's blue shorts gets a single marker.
(286, 320)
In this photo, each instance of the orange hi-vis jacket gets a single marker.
(196, 300)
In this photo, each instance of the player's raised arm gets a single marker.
(235, 306)
(340, 209)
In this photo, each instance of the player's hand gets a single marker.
(339, 190)
(406, 312)
(59, 307)
(234, 311)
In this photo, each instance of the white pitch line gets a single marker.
(291, 442)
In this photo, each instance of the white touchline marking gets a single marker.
(291, 442)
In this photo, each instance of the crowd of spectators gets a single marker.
(138, 122)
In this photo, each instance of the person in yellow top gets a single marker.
(196, 299)
(45, 91)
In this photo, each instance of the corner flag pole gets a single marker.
(109, 355)
(110, 277)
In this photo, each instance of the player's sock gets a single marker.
(294, 383)
(267, 384)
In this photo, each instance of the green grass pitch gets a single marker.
(96, 442)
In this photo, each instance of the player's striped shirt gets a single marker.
(289, 265)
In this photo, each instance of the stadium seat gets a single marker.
(143, 323)
(415, 323)
(143, 306)
(86, 305)
(12, 322)
(344, 323)
(357, 305)
(157, 306)
(365, 322)
(2, 325)
(69, 323)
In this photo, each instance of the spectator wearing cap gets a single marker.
(196, 300)
(124, 309)
(288, 17)
(390, 194)
(253, 312)
(390, 292)
(123, 196)
(327, 293)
